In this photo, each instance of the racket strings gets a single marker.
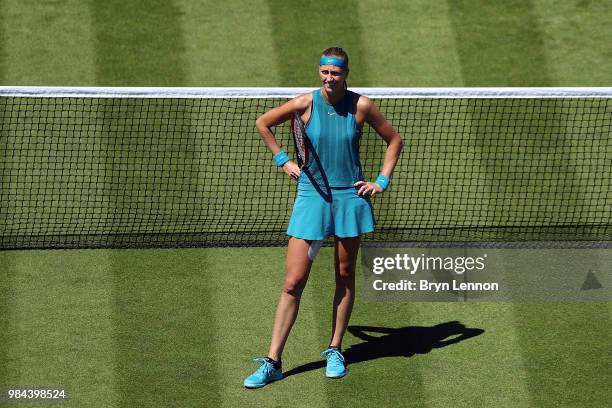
(299, 136)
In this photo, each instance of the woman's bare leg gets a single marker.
(346, 250)
(297, 269)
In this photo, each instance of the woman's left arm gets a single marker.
(375, 118)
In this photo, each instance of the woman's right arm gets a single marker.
(277, 116)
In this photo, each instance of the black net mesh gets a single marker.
(128, 172)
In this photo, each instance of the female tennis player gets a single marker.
(334, 117)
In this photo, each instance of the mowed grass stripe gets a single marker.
(553, 364)
(227, 48)
(446, 372)
(475, 48)
(499, 43)
(4, 35)
(540, 352)
(576, 36)
(576, 57)
(163, 358)
(6, 258)
(44, 43)
(60, 328)
(9, 363)
(138, 43)
(566, 350)
(311, 334)
(8, 366)
(302, 30)
(377, 375)
(565, 345)
(484, 370)
(47, 44)
(166, 344)
(408, 44)
(246, 284)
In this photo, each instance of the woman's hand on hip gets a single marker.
(292, 169)
(367, 188)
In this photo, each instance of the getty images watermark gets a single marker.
(490, 274)
(410, 264)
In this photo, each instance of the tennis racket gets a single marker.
(307, 157)
(298, 131)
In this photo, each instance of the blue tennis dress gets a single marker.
(327, 203)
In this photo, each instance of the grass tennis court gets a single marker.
(179, 327)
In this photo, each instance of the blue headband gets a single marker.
(339, 62)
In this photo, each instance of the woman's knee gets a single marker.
(345, 271)
(294, 286)
(346, 258)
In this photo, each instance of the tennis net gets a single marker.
(176, 167)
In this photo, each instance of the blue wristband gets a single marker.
(383, 181)
(281, 158)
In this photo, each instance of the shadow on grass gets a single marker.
(407, 341)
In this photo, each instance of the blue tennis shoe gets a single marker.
(335, 363)
(265, 374)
